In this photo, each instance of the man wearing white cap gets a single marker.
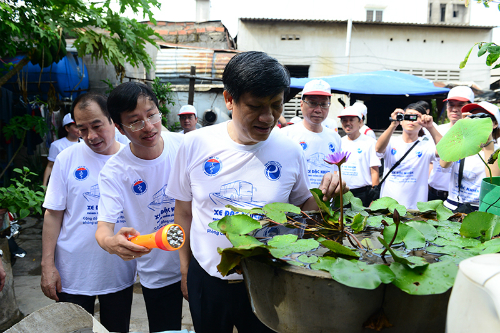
(364, 129)
(71, 137)
(188, 118)
(439, 179)
(360, 172)
(465, 184)
(316, 141)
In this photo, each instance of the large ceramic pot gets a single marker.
(489, 196)
(293, 299)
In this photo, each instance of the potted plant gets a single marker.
(350, 268)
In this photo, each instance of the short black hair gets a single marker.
(84, 100)
(424, 104)
(256, 73)
(417, 107)
(124, 99)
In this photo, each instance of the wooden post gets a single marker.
(191, 86)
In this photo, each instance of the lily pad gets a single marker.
(395, 257)
(337, 248)
(358, 274)
(491, 246)
(231, 257)
(429, 206)
(376, 221)
(246, 211)
(464, 139)
(318, 197)
(412, 237)
(443, 213)
(324, 264)
(425, 228)
(307, 259)
(457, 241)
(243, 241)
(283, 245)
(349, 198)
(388, 203)
(237, 224)
(432, 279)
(480, 224)
(447, 233)
(358, 223)
(276, 211)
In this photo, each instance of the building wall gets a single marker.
(322, 46)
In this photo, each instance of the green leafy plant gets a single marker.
(19, 198)
(165, 97)
(18, 127)
(383, 241)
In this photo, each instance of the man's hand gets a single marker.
(3, 275)
(184, 287)
(425, 121)
(395, 123)
(330, 186)
(51, 282)
(119, 244)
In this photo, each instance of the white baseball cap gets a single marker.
(488, 107)
(461, 93)
(351, 111)
(187, 109)
(361, 107)
(317, 87)
(67, 120)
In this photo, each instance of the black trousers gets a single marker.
(362, 193)
(164, 307)
(114, 310)
(217, 305)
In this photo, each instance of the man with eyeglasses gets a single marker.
(74, 268)
(134, 181)
(316, 141)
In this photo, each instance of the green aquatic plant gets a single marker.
(416, 251)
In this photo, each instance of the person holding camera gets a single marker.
(407, 157)
(467, 174)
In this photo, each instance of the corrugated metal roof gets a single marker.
(173, 61)
(440, 25)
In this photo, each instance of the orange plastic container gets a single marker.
(167, 238)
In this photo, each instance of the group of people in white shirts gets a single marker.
(413, 171)
(102, 192)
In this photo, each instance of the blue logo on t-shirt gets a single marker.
(303, 144)
(419, 153)
(359, 151)
(212, 166)
(393, 151)
(273, 170)
(81, 173)
(139, 187)
(332, 147)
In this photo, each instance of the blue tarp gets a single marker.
(377, 83)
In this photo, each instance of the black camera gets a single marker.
(401, 117)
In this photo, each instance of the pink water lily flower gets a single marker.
(337, 158)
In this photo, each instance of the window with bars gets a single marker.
(434, 74)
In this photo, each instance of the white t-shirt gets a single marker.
(212, 171)
(356, 171)
(137, 187)
(367, 131)
(316, 147)
(85, 268)
(58, 146)
(473, 174)
(408, 182)
(439, 177)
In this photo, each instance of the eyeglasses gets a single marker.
(314, 105)
(138, 125)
